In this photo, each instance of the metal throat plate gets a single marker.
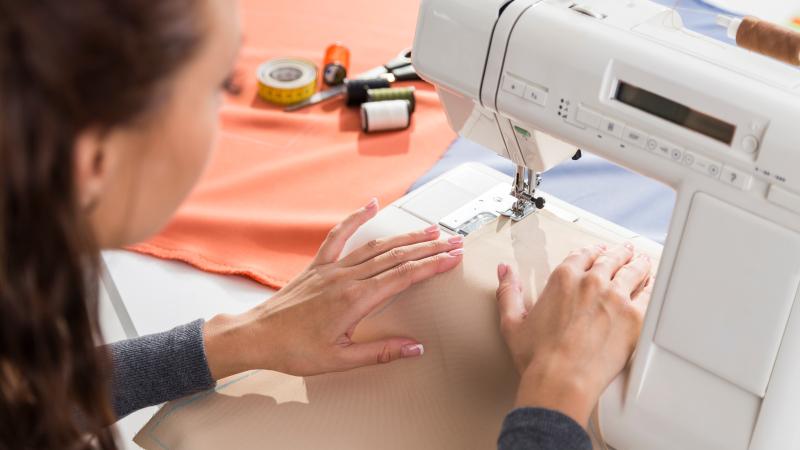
(484, 209)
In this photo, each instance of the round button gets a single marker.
(713, 170)
(675, 154)
(652, 144)
(749, 144)
(688, 159)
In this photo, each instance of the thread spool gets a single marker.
(384, 94)
(336, 64)
(386, 115)
(357, 89)
(764, 37)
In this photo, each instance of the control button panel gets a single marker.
(702, 164)
(736, 177)
(513, 86)
(663, 148)
(611, 127)
(536, 95)
(638, 138)
(651, 144)
(634, 137)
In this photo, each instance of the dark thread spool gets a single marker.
(357, 89)
(402, 93)
(770, 40)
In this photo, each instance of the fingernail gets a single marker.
(456, 240)
(456, 252)
(410, 350)
(433, 229)
(502, 270)
(603, 247)
(372, 204)
(628, 245)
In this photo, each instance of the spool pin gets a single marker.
(385, 115)
(384, 94)
(766, 38)
(336, 64)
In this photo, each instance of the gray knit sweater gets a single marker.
(153, 369)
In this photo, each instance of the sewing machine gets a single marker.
(534, 80)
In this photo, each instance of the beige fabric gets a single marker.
(454, 397)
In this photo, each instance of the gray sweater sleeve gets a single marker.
(153, 369)
(541, 429)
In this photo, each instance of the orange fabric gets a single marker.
(279, 181)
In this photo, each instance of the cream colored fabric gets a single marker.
(454, 397)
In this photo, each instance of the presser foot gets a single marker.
(525, 184)
(523, 208)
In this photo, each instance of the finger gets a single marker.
(632, 275)
(608, 263)
(400, 255)
(509, 296)
(400, 278)
(641, 299)
(334, 243)
(645, 288)
(380, 246)
(585, 257)
(381, 352)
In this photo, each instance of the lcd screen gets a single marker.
(675, 112)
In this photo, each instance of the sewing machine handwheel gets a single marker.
(539, 202)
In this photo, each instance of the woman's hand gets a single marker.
(581, 331)
(306, 327)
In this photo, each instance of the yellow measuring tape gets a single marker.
(287, 80)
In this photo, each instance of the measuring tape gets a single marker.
(285, 81)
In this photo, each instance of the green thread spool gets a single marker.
(401, 93)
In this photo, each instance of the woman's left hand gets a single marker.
(306, 327)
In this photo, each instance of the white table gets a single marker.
(149, 295)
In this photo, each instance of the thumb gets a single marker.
(382, 351)
(509, 296)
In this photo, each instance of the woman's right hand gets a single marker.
(581, 331)
(306, 328)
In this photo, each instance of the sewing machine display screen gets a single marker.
(675, 112)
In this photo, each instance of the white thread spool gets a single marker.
(386, 115)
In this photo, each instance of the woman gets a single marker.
(108, 112)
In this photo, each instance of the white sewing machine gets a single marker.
(719, 357)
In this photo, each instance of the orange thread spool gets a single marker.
(336, 64)
(781, 43)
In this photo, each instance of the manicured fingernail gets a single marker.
(456, 252)
(410, 350)
(502, 270)
(628, 245)
(456, 240)
(433, 229)
(372, 204)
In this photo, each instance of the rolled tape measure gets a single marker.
(287, 80)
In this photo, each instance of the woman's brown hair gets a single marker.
(66, 66)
